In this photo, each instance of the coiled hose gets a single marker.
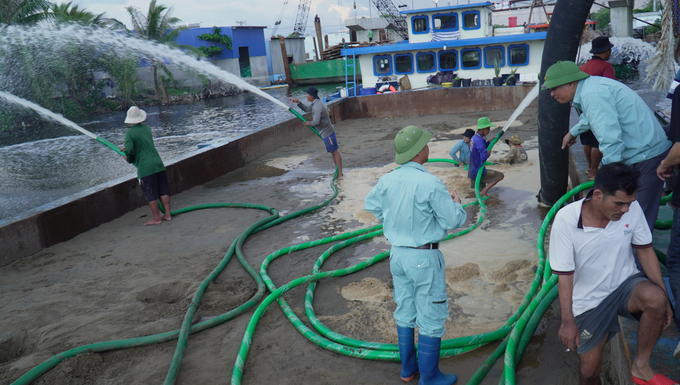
(515, 333)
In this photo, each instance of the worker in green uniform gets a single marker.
(140, 151)
(416, 209)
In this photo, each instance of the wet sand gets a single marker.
(124, 280)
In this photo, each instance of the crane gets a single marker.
(301, 18)
(278, 21)
(391, 14)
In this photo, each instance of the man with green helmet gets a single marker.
(624, 125)
(479, 155)
(416, 210)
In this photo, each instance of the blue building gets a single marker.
(248, 56)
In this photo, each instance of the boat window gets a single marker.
(471, 20)
(420, 24)
(403, 64)
(448, 60)
(382, 65)
(471, 58)
(518, 55)
(426, 62)
(446, 22)
(493, 55)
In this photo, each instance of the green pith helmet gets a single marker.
(409, 142)
(562, 72)
(484, 122)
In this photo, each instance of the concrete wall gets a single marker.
(294, 46)
(65, 218)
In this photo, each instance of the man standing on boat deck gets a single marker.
(416, 210)
(479, 155)
(140, 151)
(597, 66)
(322, 122)
(591, 249)
(624, 125)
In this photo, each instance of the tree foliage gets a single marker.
(602, 17)
(160, 26)
(24, 12)
(67, 13)
(215, 37)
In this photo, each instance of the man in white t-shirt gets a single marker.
(591, 249)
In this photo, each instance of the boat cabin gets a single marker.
(447, 43)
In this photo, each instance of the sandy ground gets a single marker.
(124, 280)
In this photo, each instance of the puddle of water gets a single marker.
(246, 173)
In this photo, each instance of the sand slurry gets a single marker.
(124, 280)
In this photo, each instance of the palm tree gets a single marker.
(68, 13)
(24, 12)
(76, 63)
(157, 25)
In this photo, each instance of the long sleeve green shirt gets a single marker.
(141, 152)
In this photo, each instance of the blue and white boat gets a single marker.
(456, 39)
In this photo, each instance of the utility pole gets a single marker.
(319, 37)
(286, 65)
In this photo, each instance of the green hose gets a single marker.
(304, 120)
(517, 331)
(110, 145)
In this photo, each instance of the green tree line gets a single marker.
(61, 77)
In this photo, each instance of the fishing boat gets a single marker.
(447, 44)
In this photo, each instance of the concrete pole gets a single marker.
(622, 18)
(286, 65)
(325, 40)
(319, 37)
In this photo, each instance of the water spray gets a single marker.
(58, 118)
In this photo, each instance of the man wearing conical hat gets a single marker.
(416, 210)
(140, 151)
(622, 122)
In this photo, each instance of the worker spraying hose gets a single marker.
(140, 151)
(320, 124)
(57, 118)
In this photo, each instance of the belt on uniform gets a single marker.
(428, 246)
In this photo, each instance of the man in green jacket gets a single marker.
(140, 151)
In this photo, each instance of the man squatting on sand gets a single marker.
(591, 249)
(416, 209)
(140, 151)
(624, 125)
(322, 122)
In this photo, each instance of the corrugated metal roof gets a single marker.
(367, 23)
(450, 8)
